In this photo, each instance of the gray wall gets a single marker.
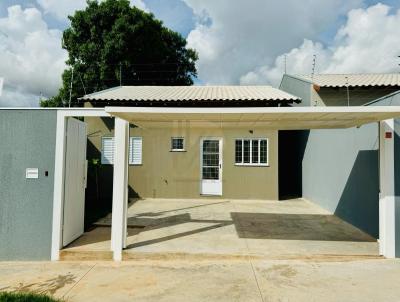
(394, 100)
(340, 173)
(340, 167)
(26, 205)
(297, 87)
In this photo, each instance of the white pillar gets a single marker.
(387, 218)
(120, 188)
(58, 198)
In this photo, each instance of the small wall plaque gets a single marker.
(32, 173)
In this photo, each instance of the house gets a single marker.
(340, 89)
(43, 159)
(348, 159)
(184, 160)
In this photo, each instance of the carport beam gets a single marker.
(387, 196)
(120, 188)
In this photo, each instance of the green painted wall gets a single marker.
(27, 140)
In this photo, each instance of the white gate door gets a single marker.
(211, 166)
(75, 180)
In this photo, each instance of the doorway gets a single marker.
(292, 144)
(211, 166)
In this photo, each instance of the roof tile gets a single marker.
(354, 80)
(192, 93)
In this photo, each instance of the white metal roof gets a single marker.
(192, 93)
(353, 80)
(283, 118)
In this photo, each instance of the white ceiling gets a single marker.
(279, 118)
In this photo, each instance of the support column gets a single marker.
(387, 196)
(58, 198)
(120, 188)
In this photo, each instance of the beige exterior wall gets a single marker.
(338, 97)
(166, 174)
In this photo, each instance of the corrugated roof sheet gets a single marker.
(192, 93)
(354, 80)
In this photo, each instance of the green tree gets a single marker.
(111, 43)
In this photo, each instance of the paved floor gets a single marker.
(267, 281)
(221, 227)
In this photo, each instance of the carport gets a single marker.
(281, 118)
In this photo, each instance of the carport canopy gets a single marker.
(275, 118)
(279, 118)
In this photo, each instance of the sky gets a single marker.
(239, 42)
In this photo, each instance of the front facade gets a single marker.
(158, 170)
(43, 160)
(185, 160)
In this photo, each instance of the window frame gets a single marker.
(130, 160)
(111, 161)
(251, 164)
(183, 143)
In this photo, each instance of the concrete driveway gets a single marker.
(240, 280)
(209, 228)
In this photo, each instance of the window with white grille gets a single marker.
(135, 150)
(107, 150)
(251, 152)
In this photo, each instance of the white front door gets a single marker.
(211, 166)
(75, 181)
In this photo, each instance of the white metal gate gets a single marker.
(211, 166)
(75, 181)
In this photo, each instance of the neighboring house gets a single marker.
(340, 89)
(346, 159)
(182, 160)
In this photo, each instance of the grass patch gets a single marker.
(25, 297)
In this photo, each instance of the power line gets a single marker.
(120, 74)
(348, 92)
(313, 66)
(70, 88)
(83, 85)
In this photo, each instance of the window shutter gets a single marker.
(107, 150)
(135, 151)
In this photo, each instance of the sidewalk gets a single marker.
(241, 280)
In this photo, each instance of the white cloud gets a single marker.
(240, 37)
(31, 57)
(139, 4)
(298, 61)
(14, 97)
(61, 9)
(368, 42)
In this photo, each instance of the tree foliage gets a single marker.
(111, 43)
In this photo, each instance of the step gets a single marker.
(98, 255)
(83, 255)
